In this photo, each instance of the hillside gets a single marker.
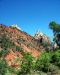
(23, 54)
(13, 39)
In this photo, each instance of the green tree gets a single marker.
(55, 27)
(56, 31)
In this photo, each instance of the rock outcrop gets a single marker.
(42, 37)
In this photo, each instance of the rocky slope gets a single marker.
(14, 39)
(11, 38)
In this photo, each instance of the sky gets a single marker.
(30, 15)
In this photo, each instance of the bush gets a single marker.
(19, 49)
(3, 53)
(6, 42)
(26, 65)
(3, 66)
(12, 70)
(28, 57)
(42, 63)
(56, 58)
(53, 69)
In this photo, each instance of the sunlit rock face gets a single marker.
(41, 36)
(16, 26)
(38, 35)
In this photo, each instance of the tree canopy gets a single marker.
(56, 31)
(55, 27)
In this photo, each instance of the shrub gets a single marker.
(56, 58)
(43, 62)
(12, 70)
(3, 53)
(19, 49)
(28, 57)
(3, 66)
(53, 69)
(26, 64)
(6, 42)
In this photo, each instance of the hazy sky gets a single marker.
(30, 15)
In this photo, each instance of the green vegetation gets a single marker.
(3, 67)
(19, 49)
(26, 64)
(3, 53)
(56, 58)
(43, 62)
(49, 60)
(6, 42)
(56, 31)
(55, 27)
